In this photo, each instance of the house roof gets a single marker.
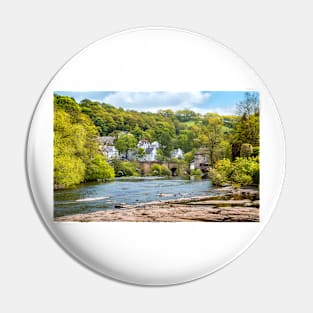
(149, 150)
(109, 148)
(107, 139)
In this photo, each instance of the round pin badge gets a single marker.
(155, 156)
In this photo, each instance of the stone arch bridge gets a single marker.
(146, 167)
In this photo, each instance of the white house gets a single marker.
(177, 154)
(144, 144)
(111, 152)
(150, 151)
(155, 144)
(151, 154)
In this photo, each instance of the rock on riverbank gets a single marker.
(228, 206)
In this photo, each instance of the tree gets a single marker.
(222, 150)
(141, 153)
(76, 149)
(247, 126)
(214, 133)
(99, 169)
(185, 140)
(250, 105)
(185, 115)
(189, 156)
(68, 171)
(125, 142)
(248, 130)
(164, 133)
(138, 132)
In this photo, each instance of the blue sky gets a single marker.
(221, 102)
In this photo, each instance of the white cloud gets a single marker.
(154, 101)
(223, 110)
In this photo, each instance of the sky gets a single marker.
(221, 102)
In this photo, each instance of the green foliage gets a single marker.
(185, 115)
(164, 133)
(160, 170)
(243, 171)
(76, 152)
(214, 134)
(247, 126)
(220, 174)
(222, 151)
(124, 168)
(156, 170)
(189, 156)
(185, 140)
(68, 171)
(125, 142)
(246, 150)
(141, 153)
(246, 171)
(165, 171)
(197, 173)
(138, 133)
(160, 155)
(99, 169)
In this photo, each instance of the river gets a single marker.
(92, 197)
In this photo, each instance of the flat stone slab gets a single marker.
(221, 202)
(174, 213)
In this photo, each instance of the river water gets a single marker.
(101, 196)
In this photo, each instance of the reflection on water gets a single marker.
(101, 196)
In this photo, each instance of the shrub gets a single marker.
(217, 178)
(165, 171)
(98, 168)
(243, 171)
(197, 173)
(241, 178)
(130, 169)
(220, 174)
(124, 168)
(224, 166)
(156, 170)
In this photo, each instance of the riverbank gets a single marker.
(228, 205)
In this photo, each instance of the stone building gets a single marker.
(201, 158)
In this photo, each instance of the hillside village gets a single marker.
(143, 152)
(146, 152)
